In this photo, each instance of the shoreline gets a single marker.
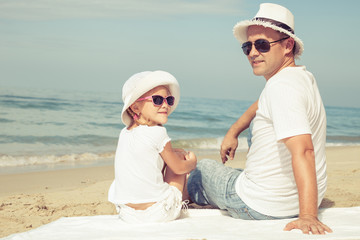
(31, 199)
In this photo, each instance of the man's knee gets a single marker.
(204, 169)
(205, 164)
(195, 188)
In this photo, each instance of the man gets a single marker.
(285, 172)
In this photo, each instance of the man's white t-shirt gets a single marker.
(138, 166)
(289, 105)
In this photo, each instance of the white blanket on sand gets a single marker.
(195, 224)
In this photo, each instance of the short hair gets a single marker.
(284, 35)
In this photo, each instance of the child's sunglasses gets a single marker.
(158, 100)
(262, 45)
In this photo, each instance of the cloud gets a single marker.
(113, 9)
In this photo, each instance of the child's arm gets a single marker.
(177, 164)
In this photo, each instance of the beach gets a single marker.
(29, 200)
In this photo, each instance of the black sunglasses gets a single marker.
(158, 100)
(262, 45)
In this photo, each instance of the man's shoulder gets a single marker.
(291, 76)
(292, 71)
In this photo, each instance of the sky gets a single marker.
(93, 45)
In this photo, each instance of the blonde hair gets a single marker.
(136, 119)
(130, 112)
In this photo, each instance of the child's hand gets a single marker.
(178, 160)
(191, 157)
(180, 152)
(187, 156)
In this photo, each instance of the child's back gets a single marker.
(150, 176)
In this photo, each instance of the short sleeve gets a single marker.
(288, 108)
(163, 140)
(158, 137)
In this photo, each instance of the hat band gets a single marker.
(276, 23)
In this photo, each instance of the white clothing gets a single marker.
(163, 211)
(289, 105)
(138, 166)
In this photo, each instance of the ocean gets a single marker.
(51, 129)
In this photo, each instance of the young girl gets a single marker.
(145, 188)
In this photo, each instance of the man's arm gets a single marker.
(303, 163)
(230, 142)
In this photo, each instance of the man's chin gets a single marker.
(257, 73)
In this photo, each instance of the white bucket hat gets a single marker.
(272, 16)
(142, 82)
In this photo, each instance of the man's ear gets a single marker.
(290, 44)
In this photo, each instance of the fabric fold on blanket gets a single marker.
(194, 224)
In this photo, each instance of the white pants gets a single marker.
(163, 211)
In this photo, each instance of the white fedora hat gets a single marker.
(142, 82)
(272, 16)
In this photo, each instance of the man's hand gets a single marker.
(230, 142)
(228, 148)
(308, 224)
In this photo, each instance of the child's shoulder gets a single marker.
(146, 129)
(152, 128)
(154, 134)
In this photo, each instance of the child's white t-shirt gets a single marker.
(289, 105)
(138, 166)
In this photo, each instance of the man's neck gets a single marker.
(288, 62)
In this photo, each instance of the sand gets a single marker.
(29, 200)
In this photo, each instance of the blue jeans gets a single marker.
(212, 183)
